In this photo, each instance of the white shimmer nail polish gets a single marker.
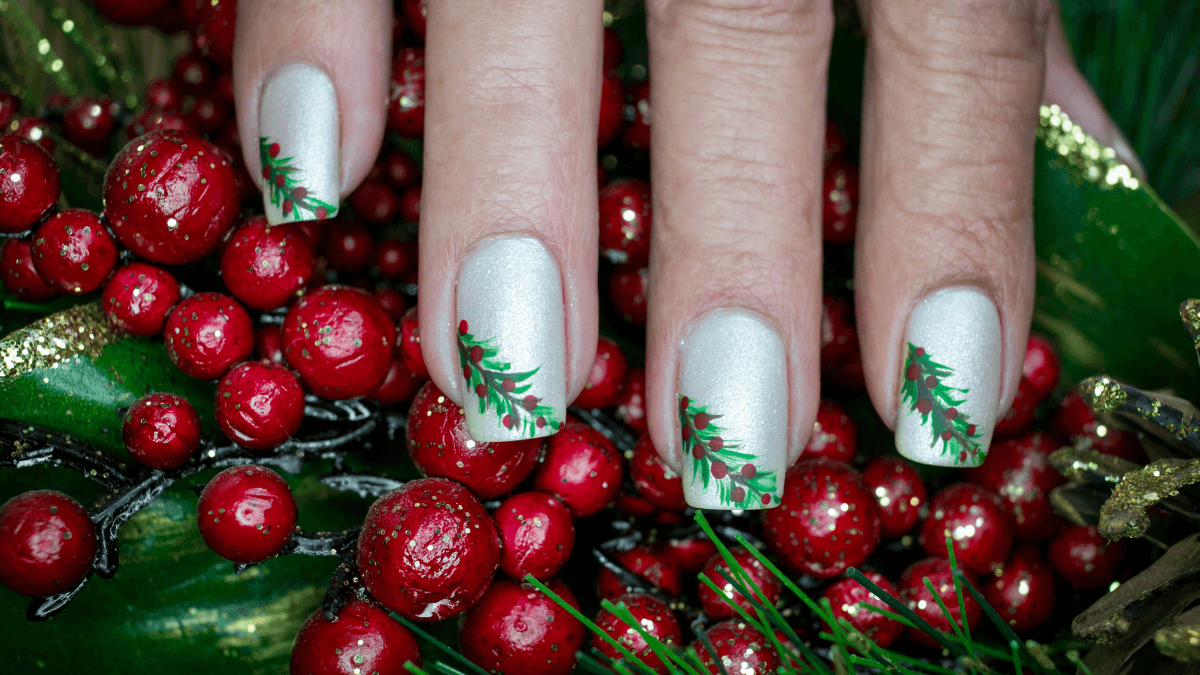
(950, 381)
(299, 145)
(733, 412)
(511, 339)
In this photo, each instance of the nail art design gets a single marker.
(511, 340)
(500, 389)
(299, 145)
(738, 482)
(286, 193)
(950, 383)
(733, 412)
(927, 394)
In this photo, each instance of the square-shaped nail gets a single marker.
(733, 412)
(950, 384)
(299, 145)
(512, 340)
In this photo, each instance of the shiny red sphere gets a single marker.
(834, 435)
(899, 491)
(653, 616)
(19, 275)
(363, 638)
(582, 468)
(606, 376)
(518, 630)
(246, 514)
(847, 598)
(653, 479)
(267, 266)
(74, 252)
(537, 535)
(976, 522)
(29, 184)
(406, 103)
(138, 297)
(259, 405)
(47, 543)
(207, 333)
(721, 605)
(625, 220)
(340, 340)
(161, 431)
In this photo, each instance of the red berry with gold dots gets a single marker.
(340, 340)
(19, 275)
(246, 514)
(900, 492)
(1083, 557)
(653, 616)
(138, 297)
(975, 521)
(636, 133)
(834, 435)
(537, 535)
(267, 266)
(158, 120)
(625, 222)
(74, 252)
(47, 543)
(606, 376)
(406, 100)
(654, 480)
(839, 202)
(627, 290)
(409, 342)
(518, 630)
(690, 554)
(915, 594)
(363, 638)
(90, 121)
(1019, 471)
(651, 566)
(720, 606)
(612, 110)
(161, 431)
(739, 649)
(29, 184)
(582, 468)
(259, 405)
(348, 246)
(207, 333)
(399, 385)
(631, 402)
(848, 600)
(1042, 367)
(1023, 593)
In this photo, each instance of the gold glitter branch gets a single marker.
(83, 330)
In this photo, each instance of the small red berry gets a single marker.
(739, 649)
(340, 340)
(362, 638)
(916, 595)
(839, 202)
(192, 74)
(653, 616)
(651, 565)
(409, 342)
(1083, 557)
(631, 402)
(1019, 471)
(606, 377)
(47, 543)
(89, 122)
(158, 120)
(400, 168)
(518, 630)
(214, 29)
(138, 297)
(33, 129)
(975, 521)
(1023, 593)
(636, 133)
(834, 434)
(835, 141)
(625, 222)
(720, 606)
(392, 302)
(268, 343)
(582, 468)
(1042, 367)
(654, 480)
(406, 103)
(847, 599)
(536, 535)
(161, 431)
(162, 94)
(838, 338)
(246, 514)
(349, 246)
(73, 251)
(899, 491)
(19, 275)
(259, 405)
(690, 554)
(207, 333)
(399, 385)
(612, 110)
(613, 50)
(409, 209)
(394, 258)
(266, 266)
(924, 406)
(414, 16)
(1020, 415)
(627, 290)
(374, 202)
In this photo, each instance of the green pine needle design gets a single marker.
(937, 403)
(498, 387)
(287, 194)
(715, 458)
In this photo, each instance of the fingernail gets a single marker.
(1124, 152)
(950, 383)
(733, 412)
(511, 340)
(298, 145)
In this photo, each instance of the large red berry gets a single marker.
(1019, 415)
(348, 246)
(340, 340)
(582, 468)
(652, 566)
(612, 110)
(636, 133)
(90, 121)
(848, 600)
(1083, 557)
(47, 542)
(739, 649)
(654, 480)
(259, 405)
(976, 522)
(627, 290)
(73, 251)
(138, 297)
(1073, 418)
(362, 639)
(631, 402)
(374, 202)
(19, 275)
(399, 385)
(440, 446)
(536, 535)
(1023, 592)
(207, 333)
(161, 431)
(409, 342)
(689, 554)
(826, 521)
(916, 595)
(625, 222)
(213, 34)
(518, 630)
(899, 491)
(653, 616)
(1075, 421)
(158, 120)
(606, 377)
(834, 434)
(1042, 367)
(428, 550)
(246, 513)
(839, 202)
(33, 129)
(266, 266)
(720, 606)
(1019, 471)
(170, 197)
(394, 258)
(406, 100)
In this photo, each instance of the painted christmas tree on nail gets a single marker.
(715, 458)
(287, 194)
(501, 389)
(926, 393)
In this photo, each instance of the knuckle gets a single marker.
(812, 18)
(981, 37)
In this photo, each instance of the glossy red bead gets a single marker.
(720, 605)
(975, 520)
(409, 344)
(33, 129)
(606, 376)
(406, 102)
(537, 535)
(518, 630)
(739, 649)
(1084, 558)
(213, 33)
(848, 600)
(653, 616)
(399, 385)
(915, 594)
(839, 200)
(162, 94)
(340, 340)
(409, 209)
(1023, 594)
(898, 490)
(1019, 471)
(834, 436)
(73, 251)
(394, 258)
(29, 184)
(1019, 415)
(131, 12)
(651, 566)
(690, 554)
(653, 479)
(267, 266)
(612, 110)
(161, 431)
(138, 297)
(19, 275)
(246, 513)
(1042, 367)
(636, 133)
(268, 343)
(400, 169)
(348, 245)
(631, 402)
(627, 291)
(375, 202)
(625, 221)
(206, 334)
(192, 74)
(582, 468)
(89, 122)
(259, 405)
(363, 638)
(47, 543)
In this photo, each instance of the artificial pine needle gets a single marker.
(966, 627)
(454, 654)
(907, 613)
(662, 651)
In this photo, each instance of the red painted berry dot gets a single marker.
(947, 435)
(719, 469)
(508, 385)
(970, 429)
(299, 193)
(529, 402)
(481, 390)
(507, 421)
(766, 499)
(273, 150)
(739, 494)
(541, 422)
(913, 372)
(920, 352)
(322, 213)
(466, 372)
(924, 406)
(701, 421)
(246, 514)
(476, 354)
(462, 327)
(951, 414)
(931, 382)
(683, 404)
(716, 443)
(748, 471)
(698, 451)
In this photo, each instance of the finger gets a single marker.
(508, 212)
(732, 375)
(310, 81)
(944, 262)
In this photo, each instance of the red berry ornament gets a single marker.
(582, 468)
(899, 491)
(406, 102)
(414, 16)
(653, 616)
(362, 639)
(1042, 367)
(976, 522)
(47, 543)
(839, 202)
(835, 141)
(612, 110)
(163, 95)
(394, 258)
(518, 630)
(132, 12)
(1019, 471)
(268, 343)
(90, 121)
(646, 563)
(627, 290)
(848, 600)
(170, 197)
(246, 514)
(266, 266)
(690, 554)
(606, 377)
(1020, 415)
(208, 113)
(720, 606)
(138, 297)
(73, 251)
(259, 405)
(33, 129)
(409, 341)
(916, 595)
(161, 431)
(613, 50)
(213, 34)
(440, 446)
(410, 205)
(428, 550)
(392, 303)
(654, 480)
(192, 74)
(636, 133)
(536, 535)
(631, 402)
(739, 649)
(834, 434)
(157, 120)
(207, 333)
(826, 521)
(374, 202)
(400, 169)
(29, 184)
(1024, 592)
(340, 340)
(625, 222)
(399, 385)
(19, 275)
(348, 246)
(1083, 557)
